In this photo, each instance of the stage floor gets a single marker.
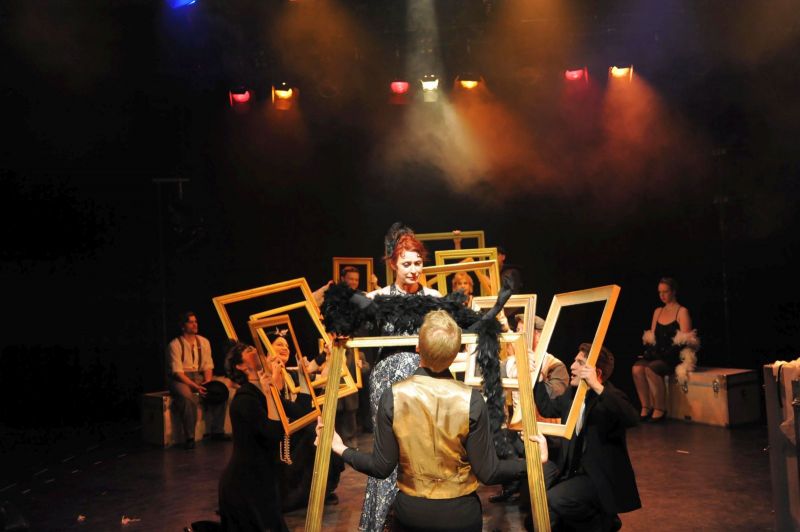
(690, 477)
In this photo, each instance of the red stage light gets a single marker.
(399, 87)
(240, 97)
(581, 74)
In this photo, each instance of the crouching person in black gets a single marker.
(595, 479)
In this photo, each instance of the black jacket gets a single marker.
(605, 453)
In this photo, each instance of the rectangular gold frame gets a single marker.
(431, 237)
(340, 262)
(349, 386)
(357, 378)
(441, 271)
(244, 295)
(465, 255)
(257, 331)
(609, 294)
(525, 301)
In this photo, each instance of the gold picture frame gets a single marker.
(366, 262)
(609, 294)
(261, 341)
(441, 271)
(479, 236)
(220, 303)
(525, 301)
(467, 255)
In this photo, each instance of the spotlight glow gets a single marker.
(621, 72)
(284, 94)
(399, 87)
(468, 84)
(581, 74)
(239, 96)
(430, 84)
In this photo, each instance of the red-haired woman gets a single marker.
(405, 255)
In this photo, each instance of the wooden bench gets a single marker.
(159, 425)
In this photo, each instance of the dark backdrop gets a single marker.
(98, 259)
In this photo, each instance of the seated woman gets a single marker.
(249, 498)
(669, 340)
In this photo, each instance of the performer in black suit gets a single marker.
(596, 480)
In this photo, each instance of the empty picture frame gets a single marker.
(442, 271)
(262, 343)
(347, 384)
(609, 294)
(303, 384)
(365, 267)
(527, 302)
(221, 302)
(467, 255)
(478, 236)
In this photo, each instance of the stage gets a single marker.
(690, 477)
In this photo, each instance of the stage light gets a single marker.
(578, 74)
(177, 4)
(239, 96)
(430, 88)
(284, 96)
(399, 87)
(621, 72)
(468, 81)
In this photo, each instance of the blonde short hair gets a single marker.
(439, 340)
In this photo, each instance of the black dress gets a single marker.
(249, 499)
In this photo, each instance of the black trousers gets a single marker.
(574, 505)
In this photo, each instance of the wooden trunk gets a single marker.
(724, 397)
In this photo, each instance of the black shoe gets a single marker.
(648, 415)
(659, 419)
(331, 499)
(188, 444)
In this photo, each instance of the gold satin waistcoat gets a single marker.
(431, 423)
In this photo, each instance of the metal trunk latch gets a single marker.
(715, 386)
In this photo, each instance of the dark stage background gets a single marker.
(98, 102)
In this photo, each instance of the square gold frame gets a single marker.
(466, 255)
(432, 237)
(525, 301)
(257, 331)
(609, 294)
(340, 262)
(441, 271)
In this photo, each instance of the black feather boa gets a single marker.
(404, 315)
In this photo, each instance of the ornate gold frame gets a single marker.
(244, 295)
(260, 341)
(525, 301)
(609, 294)
(431, 237)
(340, 262)
(441, 271)
(466, 255)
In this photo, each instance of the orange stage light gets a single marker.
(621, 72)
(468, 84)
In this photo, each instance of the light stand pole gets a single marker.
(162, 261)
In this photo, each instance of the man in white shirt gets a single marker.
(189, 368)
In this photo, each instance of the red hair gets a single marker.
(407, 242)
